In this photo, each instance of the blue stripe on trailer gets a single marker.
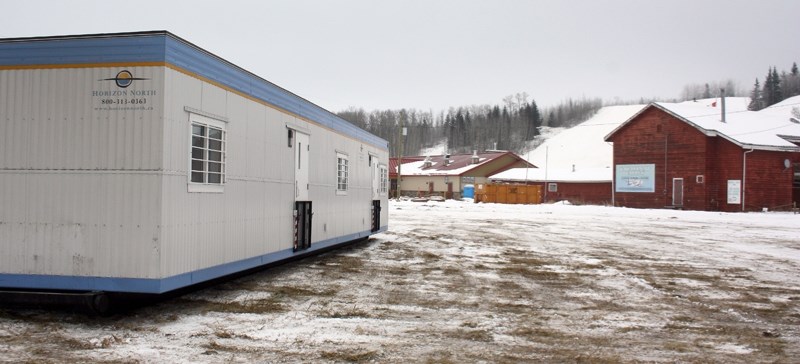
(156, 286)
(162, 46)
(77, 51)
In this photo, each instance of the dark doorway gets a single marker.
(302, 225)
(376, 215)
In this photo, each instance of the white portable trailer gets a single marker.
(141, 163)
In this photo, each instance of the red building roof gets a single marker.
(455, 164)
(393, 164)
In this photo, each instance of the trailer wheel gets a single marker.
(100, 303)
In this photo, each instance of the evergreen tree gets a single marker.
(460, 131)
(448, 127)
(505, 137)
(769, 93)
(766, 92)
(756, 101)
(467, 139)
(707, 92)
(791, 82)
(777, 93)
(533, 120)
(499, 121)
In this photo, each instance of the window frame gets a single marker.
(384, 179)
(342, 168)
(207, 123)
(552, 187)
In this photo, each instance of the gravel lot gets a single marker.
(460, 282)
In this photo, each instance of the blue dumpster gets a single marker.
(469, 191)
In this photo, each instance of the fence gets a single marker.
(510, 194)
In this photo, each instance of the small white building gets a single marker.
(139, 162)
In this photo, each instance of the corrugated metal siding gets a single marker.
(49, 122)
(253, 216)
(90, 224)
(81, 191)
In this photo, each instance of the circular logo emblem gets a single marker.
(124, 79)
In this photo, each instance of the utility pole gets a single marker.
(546, 166)
(401, 132)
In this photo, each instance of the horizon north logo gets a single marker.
(123, 79)
(124, 97)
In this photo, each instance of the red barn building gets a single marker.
(690, 156)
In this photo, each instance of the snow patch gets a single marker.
(733, 348)
(438, 149)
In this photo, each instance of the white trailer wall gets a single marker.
(79, 180)
(253, 216)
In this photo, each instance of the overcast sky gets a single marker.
(431, 54)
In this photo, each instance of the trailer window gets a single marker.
(342, 166)
(207, 157)
(384, 178)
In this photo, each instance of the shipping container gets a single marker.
(141, 163)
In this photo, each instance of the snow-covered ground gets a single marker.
(461, 282)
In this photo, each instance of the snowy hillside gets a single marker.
(581, 154)
(583, 145)
(575, 154)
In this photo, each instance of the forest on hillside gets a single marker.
(775, 89)
(514, 123)
(507, 126)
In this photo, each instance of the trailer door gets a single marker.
(375, 218)
(302, 205)
(301, 152)
(376, 176)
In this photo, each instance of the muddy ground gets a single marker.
(458, 282)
